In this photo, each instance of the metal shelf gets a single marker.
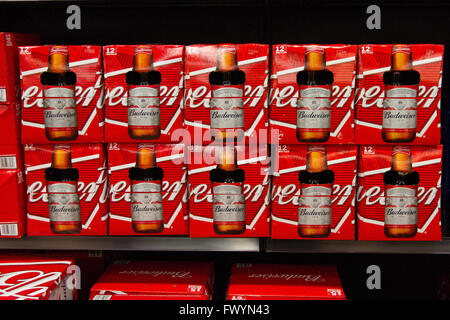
(133, 243)
(361, 247)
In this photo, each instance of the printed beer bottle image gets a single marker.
(316, 185)
(63, 199)
(144, 121)
(60, 108)
(228, 199)
(227, 103)
(313, 110)
(400, 213)
(400, 104)
(146, 199)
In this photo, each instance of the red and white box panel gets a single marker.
(398, 97)
(67, 189)
(62, 94)
(155, 280)
(167, 203)
(226, 91)
(399, 193)
(241, 200)
(312, 91)
(161, 93)
(288, 193)
(284, 282)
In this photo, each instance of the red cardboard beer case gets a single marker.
(169, 157)
(12, 212)
(155, 280)
(287, 191)
(71, 103)
(336, 114)
(36, 278)
(85, 199)
(422, 207)
(168, 61)
(410, 107)
(234, 104)
(284, 282)
(254, 195)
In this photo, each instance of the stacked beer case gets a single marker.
(398, 129)
(12, 182)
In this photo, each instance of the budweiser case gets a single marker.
(390, 103)
(284, 282)
(333, 209)
(56, 203)
(414, 205)
(36, 278)
(247, 203)
(68, 106)
(155, 280)
(219, 100)
(312, 107)
(163, 96)
(168, 202)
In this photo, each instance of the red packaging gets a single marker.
(12, 196)
(79, 203)
(73, 102)
(412, 114)
(173, 192)
(241, 100)
(154, 280)
(33, 278)
(335, 124)
(383, 205)
(168, 62)
(289, 160)
(284, 282)
(249, 205)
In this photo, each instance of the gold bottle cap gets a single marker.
(61, 158)
(58, 59)
(315, 58)
(401, 57)
(401, 158)
(227, 159)
(226, 58)
(146, 156)
(316, 158)
(143, 58)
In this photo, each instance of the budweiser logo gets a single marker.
(37, 191)
(375, 195)
(291, 193)
(288, 96)
(373, 96)
(121, 191)
(155, 274)
(32, 96)
(288, 276)
(27, 284)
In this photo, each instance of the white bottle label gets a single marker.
(228, 203)
(315, 206)
(143, 107)
(63, 202)
(313, 109)
(146, 202)
(400, 108)
(226, 108)
(401, 206)
(60, 109)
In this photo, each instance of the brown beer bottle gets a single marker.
(313, 112)
(63, 199)
(144, 116)
(227, 103)
(60, 109)
(400, 104)
(401, 195)
(316, 185)
(146, 198)
(228, 198)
